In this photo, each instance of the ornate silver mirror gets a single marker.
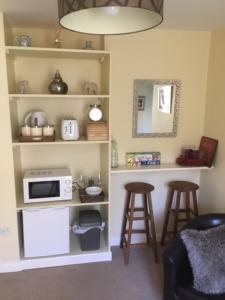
(155, 108)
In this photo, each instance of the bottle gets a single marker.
(114, 154)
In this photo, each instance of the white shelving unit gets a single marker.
(38, 65)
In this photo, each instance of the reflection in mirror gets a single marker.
(155, 109)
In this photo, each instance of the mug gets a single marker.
(23, 40)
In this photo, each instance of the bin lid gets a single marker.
(89, 218)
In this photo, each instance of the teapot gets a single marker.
(23, 40)
(35, 118)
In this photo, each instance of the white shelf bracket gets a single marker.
(101, 59)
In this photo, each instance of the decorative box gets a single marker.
(97, 131)
(136, 159)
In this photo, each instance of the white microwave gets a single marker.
(47, 185)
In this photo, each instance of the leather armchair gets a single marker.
(178, 276)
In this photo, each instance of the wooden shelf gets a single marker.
(69, 203)
(156, 168)
(51, 96)
(58, 141)
(15, 51)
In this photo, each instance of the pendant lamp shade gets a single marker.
(110, 17)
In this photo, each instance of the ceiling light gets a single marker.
(110, 17)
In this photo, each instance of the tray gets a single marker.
(27, 139)
(85, 198)
(181, 160)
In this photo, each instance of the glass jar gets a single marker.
(114, 155)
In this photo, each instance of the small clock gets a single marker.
(95, 113)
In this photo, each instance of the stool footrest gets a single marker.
(181, 210)
(138, 218)
(134, 245)
(136, 231)
(138, 245)
(137, 209)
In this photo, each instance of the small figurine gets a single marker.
(23, 87)
(90, 88)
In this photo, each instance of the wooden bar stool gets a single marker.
(130, 215)
(179, 187)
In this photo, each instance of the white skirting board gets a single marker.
(55, 261)
(64, 260)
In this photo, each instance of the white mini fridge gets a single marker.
(46, 231)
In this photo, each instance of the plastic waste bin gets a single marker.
(89, 227)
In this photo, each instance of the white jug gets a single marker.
(35, 118)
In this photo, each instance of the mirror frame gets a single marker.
(172, 133)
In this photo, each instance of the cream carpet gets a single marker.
(140, 280)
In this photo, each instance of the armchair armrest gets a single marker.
(177, 270)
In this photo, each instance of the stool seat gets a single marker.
(145, 214)
(183, 186)
(186, 188)
(139, 187)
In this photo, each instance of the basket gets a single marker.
(85, 198)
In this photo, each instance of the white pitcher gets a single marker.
(35, 118)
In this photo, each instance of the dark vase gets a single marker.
(57, 86)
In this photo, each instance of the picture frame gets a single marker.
(165, 93)
(207, 150)
(141, 102)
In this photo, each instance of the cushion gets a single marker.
(206, 252)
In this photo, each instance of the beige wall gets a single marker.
(212, 197)
(159, 54)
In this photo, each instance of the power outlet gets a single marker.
(4, 231)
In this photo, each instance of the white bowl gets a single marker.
(93, 190)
